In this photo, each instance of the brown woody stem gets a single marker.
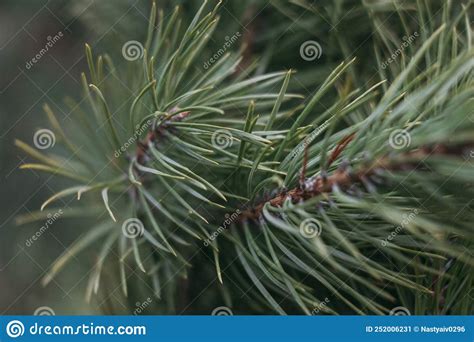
(344, 179)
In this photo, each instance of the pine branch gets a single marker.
(343, 178)
(156, 133)
(208, 132)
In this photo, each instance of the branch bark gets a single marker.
(344, 179)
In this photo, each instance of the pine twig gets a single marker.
(155, 133)
(344, 179)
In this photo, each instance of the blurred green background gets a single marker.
(25, 28)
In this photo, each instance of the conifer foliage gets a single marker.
(342, 184)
